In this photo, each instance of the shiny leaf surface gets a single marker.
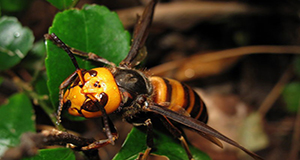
(165, 145)
(16, 117)
(15, 42)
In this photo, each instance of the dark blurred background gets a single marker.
(239, 55)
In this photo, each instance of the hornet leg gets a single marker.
(150, 143)
(68, 49)
(177, 134)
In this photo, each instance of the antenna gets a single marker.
(62, 45)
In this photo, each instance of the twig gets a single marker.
(275, 92)
(31, 142)
(183, 15)
(296, 137)
(218, 55)
(33, 95)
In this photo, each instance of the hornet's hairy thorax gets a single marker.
(132, 85)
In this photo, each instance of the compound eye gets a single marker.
(92, 73)
(90, 106)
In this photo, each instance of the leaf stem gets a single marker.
(296, 137)
(29, 91)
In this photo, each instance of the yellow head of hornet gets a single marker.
(99, 85)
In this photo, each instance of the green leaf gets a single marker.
(38, 50)
(291, 96)
(63, 4)
(14, 5)
(51, 154)
(41, 85)
(165, 145)
(1, 80)
(16, 117)
(15, 42)
(92, 29)
(35, 59)
(252, 133)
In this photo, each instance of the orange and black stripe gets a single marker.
(178, 97)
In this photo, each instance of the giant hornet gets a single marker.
(134, 95)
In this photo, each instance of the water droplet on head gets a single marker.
(17, 34)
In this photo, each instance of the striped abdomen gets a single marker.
(178, 97)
